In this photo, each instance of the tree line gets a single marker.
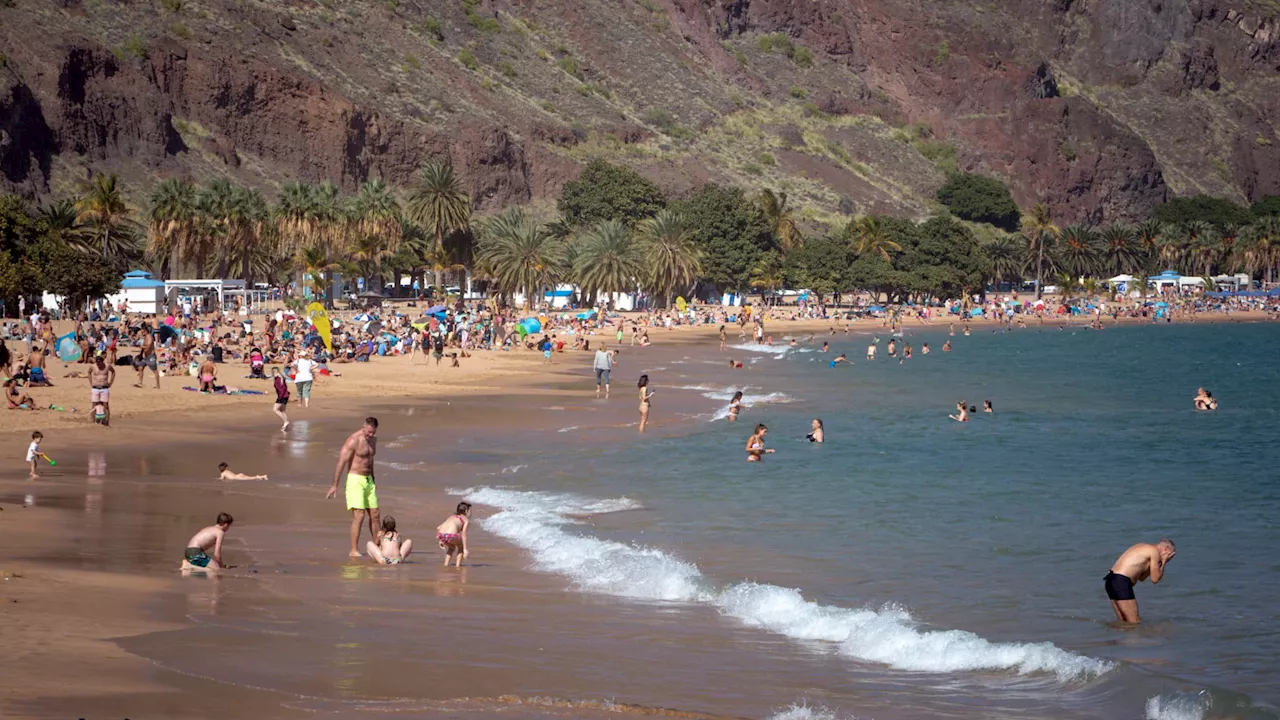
(615, 232)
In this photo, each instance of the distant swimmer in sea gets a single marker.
(755, 445)
(966, 330)
(893, 348)
(734, 365)
(924, 349)
(986, 407)
(962, 413)
(871, 351)
(951, 330)
(645, 395)
(1204, 400)
(1138, 563)
(735, 406)
(840, 359)
(946, 346)
(825, 347)
(793, 343)
(815, 434)
(722, 338)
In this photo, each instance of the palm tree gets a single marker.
(296, 220)
(1260, 246)
(1079, 253)
(216, 202)
(1006, 266)
(105, 211)
(522, 256)
(671, 254)
(248, 231)
(376, 214)
(1039, 230)
(63, 221)
(870, 236)
(1147, 235)
(368, 253)
(607, 260)
(781, 219)
(171, 225)
(438, 203)
(315, 262)
(1120, 250)
(1191, 246)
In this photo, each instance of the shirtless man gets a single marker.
(146, 358)
(101, 376)
(1138, 563)
(356, 463)
(35, 367)
(195, 559)
(225, 474)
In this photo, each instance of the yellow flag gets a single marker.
(681, 304)
(320, 319)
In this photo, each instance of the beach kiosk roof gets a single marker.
(135, 279)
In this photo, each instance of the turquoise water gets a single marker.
(926, 566)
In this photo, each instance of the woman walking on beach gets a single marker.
(282, 397)
(645, 395)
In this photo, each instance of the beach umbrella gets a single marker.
(586, 315)
(166, 333)
(67, 348)
(436, 310)
(363, 317)
(1162, 304)
(531, 325)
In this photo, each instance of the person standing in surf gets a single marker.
(356, 462)
(645, 395)
(735, 406)
(755, 444)
(1138, 563)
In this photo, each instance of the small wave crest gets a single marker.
(542, 524)
(1179, 706)
(801, 711)
(768, 349)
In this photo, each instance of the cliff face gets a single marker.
(1098, 107)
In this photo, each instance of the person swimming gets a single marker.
(986, 407)
(735, 406)
(962, 413)
(816, 434)
(839, 359)
(1204, 400)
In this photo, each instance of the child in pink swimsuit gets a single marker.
(452, 535)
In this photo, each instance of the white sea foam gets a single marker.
(770, 349)
(543, 524)
(513, 469)
(749, 398)
(1179, 706)
(802, 711)
(402, 466)
(571, 428)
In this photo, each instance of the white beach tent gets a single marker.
(1122, 279)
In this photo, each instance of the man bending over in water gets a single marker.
(195, 559)
(1136, 564)
(224, 474)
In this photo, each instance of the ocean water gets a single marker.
(920, 567)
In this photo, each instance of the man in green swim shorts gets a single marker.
(356, 463)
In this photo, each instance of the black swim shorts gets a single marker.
(1119, 587)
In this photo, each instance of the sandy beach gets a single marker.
(90, 591)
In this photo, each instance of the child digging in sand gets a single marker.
(391, 549)
(452, 535)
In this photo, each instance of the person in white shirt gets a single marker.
(603, 364)
(302, 376)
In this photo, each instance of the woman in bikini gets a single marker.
(735, 406)
(645, 395)
(452, 535)
(755, 445)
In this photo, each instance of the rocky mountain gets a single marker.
(1099, 108)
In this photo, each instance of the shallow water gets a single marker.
(908, 567)
(956, 569)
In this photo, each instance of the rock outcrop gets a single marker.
(1090, 107)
